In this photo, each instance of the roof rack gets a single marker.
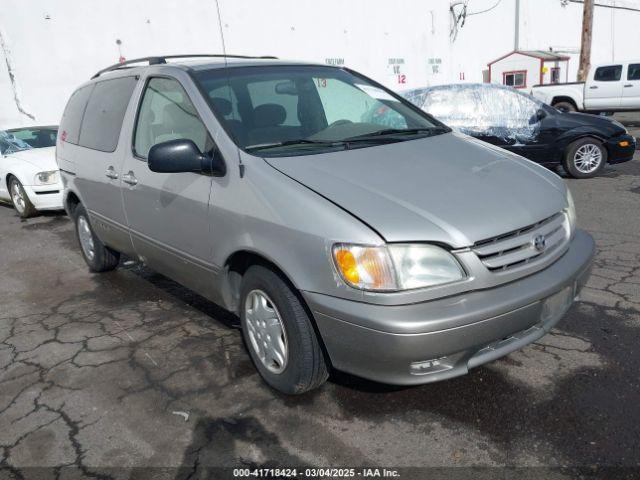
(159, 60)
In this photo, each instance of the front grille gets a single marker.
(518, 248)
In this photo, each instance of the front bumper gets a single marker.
(618, 153)
(499, 321)
(45, 197)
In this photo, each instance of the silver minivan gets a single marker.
(345, 227)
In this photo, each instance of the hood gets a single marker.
(448, 189)
(43, 159)
(607, 126)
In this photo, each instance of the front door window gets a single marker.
(166, 113)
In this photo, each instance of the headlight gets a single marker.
(46, 178)
(396, 266)
(571, 213)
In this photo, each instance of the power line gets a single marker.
(615, 7)
(486, 10)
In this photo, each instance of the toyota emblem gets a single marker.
(540, 243)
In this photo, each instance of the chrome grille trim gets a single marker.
(517, 248)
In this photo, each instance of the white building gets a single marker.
(523, 69)
(49, 47)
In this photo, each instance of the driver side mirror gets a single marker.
(541, 114)
(182, 155)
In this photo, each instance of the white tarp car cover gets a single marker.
(481, 110)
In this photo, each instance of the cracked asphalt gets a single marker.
(100, 372)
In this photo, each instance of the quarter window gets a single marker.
(634, 72)
(103, 117)
(611, 73)
(166, 113)
(73, 113)
(515, 79)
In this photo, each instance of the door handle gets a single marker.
(111, 173)
(593, 87)
(628, 85)
(130, 178)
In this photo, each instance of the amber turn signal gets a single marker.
(347, 265)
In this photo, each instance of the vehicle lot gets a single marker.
(96, 371)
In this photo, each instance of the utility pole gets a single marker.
(585, 47)
(516, 38)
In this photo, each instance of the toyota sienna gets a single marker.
(344, 226)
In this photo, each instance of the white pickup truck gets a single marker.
(609, 88)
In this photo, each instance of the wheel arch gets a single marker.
(12, 173)
(569, 140)
(71, 202)
(237, 264)
(564, 98)
(585, 135)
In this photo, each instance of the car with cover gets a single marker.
(278, 190)
(508, 118)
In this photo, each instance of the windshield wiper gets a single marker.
(300, 141)
(397, 131)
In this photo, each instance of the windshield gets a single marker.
(296, 110)
(36, 137)
(10, 144)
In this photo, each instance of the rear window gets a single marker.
(611, 73)
(104, 113)
(73, 113)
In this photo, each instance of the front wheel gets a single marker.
(98, 256)
(279, 334)
(20, 200)
(585, 158)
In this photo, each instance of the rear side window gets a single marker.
(103, 117)
(634, 72)
(73, 113)
(611, 73)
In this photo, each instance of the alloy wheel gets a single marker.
(588, 158)
(17, 196)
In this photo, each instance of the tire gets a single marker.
(20, 200)
(565, 106)
(585, 150)
(302, 367)
(98, 256)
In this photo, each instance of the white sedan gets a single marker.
(29, 177)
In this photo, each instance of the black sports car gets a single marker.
(513, 120)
